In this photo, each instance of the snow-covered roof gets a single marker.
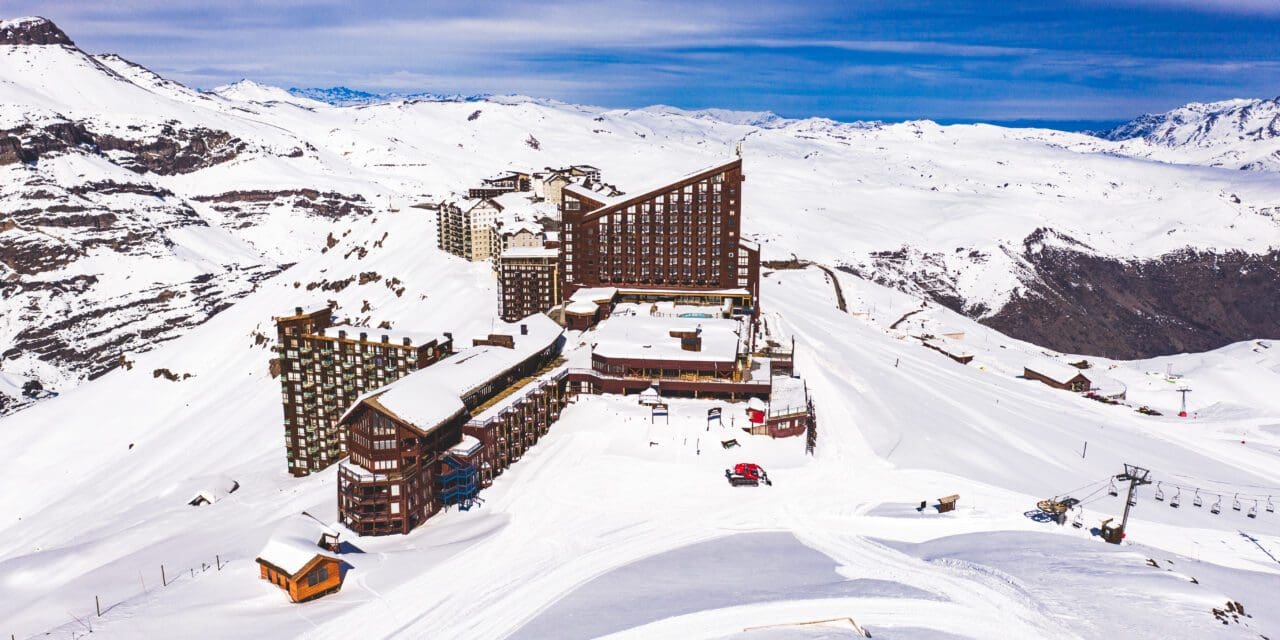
(531, 252)
(1055, 371)
(649, 338)
(416, 338)
(787, 394)
(594, 294)
(467, 446)
(426, 398)
(498, 408)
(576, 188)
(954, 348)
(295, 543)
(647, 191)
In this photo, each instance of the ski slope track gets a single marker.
(146, 226)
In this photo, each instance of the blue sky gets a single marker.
(947, 60)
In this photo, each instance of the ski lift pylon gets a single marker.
(1173, 502)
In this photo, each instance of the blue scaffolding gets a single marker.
(460, 485)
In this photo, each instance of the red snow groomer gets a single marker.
(747, 474)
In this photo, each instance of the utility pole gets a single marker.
(1184, 391)
(1136, 476)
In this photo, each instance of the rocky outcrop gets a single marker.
(25, 31)
(90, 338)
(172, 150)
(1187, 301)
(325, 204)
(1074, 299)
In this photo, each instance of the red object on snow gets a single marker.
(755, 415)
(1182, 414)
(747, 474)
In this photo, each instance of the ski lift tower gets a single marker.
(1136, 476)
(1184, 390)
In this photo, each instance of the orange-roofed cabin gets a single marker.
(319, 577)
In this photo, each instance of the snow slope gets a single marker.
(898, 424)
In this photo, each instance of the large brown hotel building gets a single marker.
(679, 241)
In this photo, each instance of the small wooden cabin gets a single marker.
(1058, 376)
(319, 577)
(298, 559)
(948, 503)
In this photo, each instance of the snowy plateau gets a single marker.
(147, 226)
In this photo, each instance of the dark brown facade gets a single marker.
(324, 369)
(528, 282)
(1078, 382)
(389, 484)
(683, 236)
(512, 423)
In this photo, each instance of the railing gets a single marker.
(790, 410)
(660, 379)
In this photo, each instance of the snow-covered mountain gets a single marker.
(146, 220)
(346, 97)
(1237, 134)
(135, 207)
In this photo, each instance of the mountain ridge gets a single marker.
(104, 163)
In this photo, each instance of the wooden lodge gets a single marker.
(1058, 376)
(300, 559)
(693, 357)
(406, 436)
(948, 348)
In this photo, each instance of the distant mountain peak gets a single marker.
(346, 96)
(32, 30)
(1200, 122)
(337, 96)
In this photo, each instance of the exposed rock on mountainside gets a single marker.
(89, 339)
(1188, 301)
(328, 204)
(32, 31)
(169, 149)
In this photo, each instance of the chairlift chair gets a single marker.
(1159, 493)
(1253, 511)
(1177, 495)
(1078, 521)
(1217, 506)
(1271, 508)
(1198, 501)
(1111, 489)
(1235, 503)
